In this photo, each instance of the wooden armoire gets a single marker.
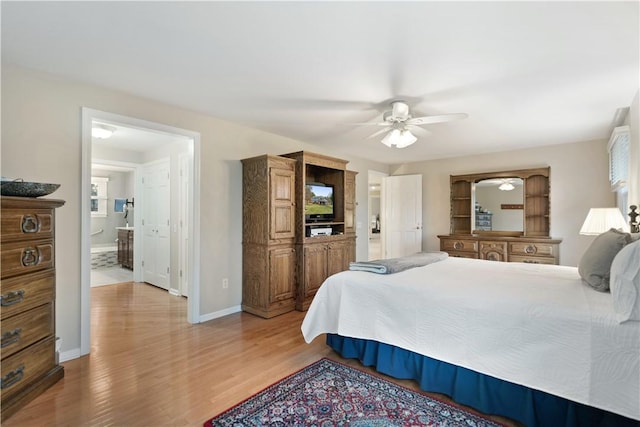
(283, 262)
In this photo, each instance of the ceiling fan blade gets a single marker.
(380, 132)
(370, 124)
(417, 130)
(436, 119)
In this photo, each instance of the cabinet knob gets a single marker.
(11, 298)
(29, 257)
(12, 377)
(30, 224)
(10, 337)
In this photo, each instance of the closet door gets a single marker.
(156, 225)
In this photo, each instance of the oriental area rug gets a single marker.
(328, 393)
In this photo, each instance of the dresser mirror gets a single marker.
(498, 205)
(479, 206)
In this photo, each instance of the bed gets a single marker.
(526, 341)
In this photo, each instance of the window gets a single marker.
(99, 196)
(619, 157)
(619, 164)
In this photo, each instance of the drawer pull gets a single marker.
(531, 261)
(11, 337)
(30, 257)
(30, 224)
(11, 298)
(530, 249)
(12, 377)
(458, 245)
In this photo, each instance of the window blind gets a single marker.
(619, 157)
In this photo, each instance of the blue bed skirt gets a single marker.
(482, 392)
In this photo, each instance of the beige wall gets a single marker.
(579, 181)
(41, 141)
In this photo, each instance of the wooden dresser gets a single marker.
(27, 304)
(506, 249)
(476, 233)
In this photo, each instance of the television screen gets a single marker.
(318, 202)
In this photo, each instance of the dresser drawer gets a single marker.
(528, 249)
(25, 292)
(25, 257)
(23, 224)
(458, 245)
(26, 328)
(26, 366)
(532, 259)
(493, 251)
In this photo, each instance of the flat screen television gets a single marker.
(318, 202)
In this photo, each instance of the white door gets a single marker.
(401, 215)
(156, 250)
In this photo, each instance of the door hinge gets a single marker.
(167, 270)
(143, 263)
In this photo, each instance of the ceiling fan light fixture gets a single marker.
(399, 138)
(102, 131)
(506, 186)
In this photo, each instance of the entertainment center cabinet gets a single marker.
(287, 254)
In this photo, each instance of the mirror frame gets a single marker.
(536, 214)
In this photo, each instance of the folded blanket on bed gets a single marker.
(395, 265)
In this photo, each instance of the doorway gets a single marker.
(112, 215)
(192, 140)
(375, 210)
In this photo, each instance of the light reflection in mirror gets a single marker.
(495, 209)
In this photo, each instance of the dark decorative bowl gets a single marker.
(27, 189)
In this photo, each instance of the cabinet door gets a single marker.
(130, 249)
(350, 202)
(122, 247)
(338, 257)
(315, 268)
(282, 215)
(282, 263)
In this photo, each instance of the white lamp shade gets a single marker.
(600, 220)
(399, 138)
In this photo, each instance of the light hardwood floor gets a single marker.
(149, 367)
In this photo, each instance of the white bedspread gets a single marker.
(534, 325)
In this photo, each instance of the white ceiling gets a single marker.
(527, 74)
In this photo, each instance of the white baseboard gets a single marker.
(69, 355)
(221, 313)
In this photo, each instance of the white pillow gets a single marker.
(625, 282)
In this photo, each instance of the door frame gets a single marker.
(193, 304)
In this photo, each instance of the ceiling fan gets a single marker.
(400, 125)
